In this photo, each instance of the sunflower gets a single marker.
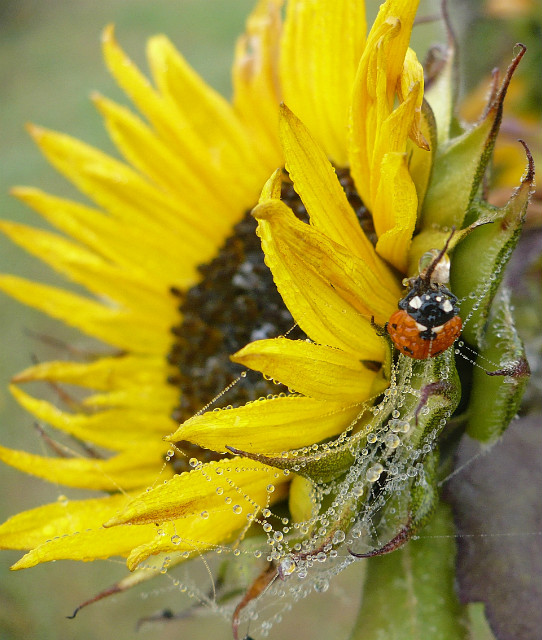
(178, 283)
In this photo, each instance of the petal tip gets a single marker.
(35, 130)
(108, 34)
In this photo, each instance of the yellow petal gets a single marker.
(120, 243)
(207, 113)
(330, 293)
(35, 526)
(216, 527)
(272, 187)
(113, 185)
(377, 81)
(411, 77)
(405, 12)
(128, 330)
(194, 534)
(314, 370)
(88, 544)
(299, 499)
(178, 127)
(392, 138)
(321, 48)
(370, 106)
(420, 160)
(316, 183)
(105, 374)
(268, 426)
(116, 429)
(153, 399)
(172, 173)
(131, 469)
(188, 494)
(396, 204)
(96, 274)
(256, 92)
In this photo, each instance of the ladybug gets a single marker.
(427, 321)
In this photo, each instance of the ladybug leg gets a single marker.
(380, 330)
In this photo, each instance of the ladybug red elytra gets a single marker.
(427, 321)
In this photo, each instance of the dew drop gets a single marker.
(357, 490)
(373, 473)
(237, 509)
(338, 536)
(286, 567)
(321, 585)
(392, 440)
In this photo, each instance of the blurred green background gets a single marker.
(50, 62)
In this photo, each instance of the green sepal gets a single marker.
(424, 494)
(496, 395)
(322, 466)
(479, 259)
(409, 594)
(461, 162)
(430, 394)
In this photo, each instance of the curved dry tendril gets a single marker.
(440, 388)
(517, 369)
(259, 585)
(404, 535)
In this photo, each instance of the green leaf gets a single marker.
(460, 164)
(457, 173)
(479, 260)
(495, 398)
(409, 594)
